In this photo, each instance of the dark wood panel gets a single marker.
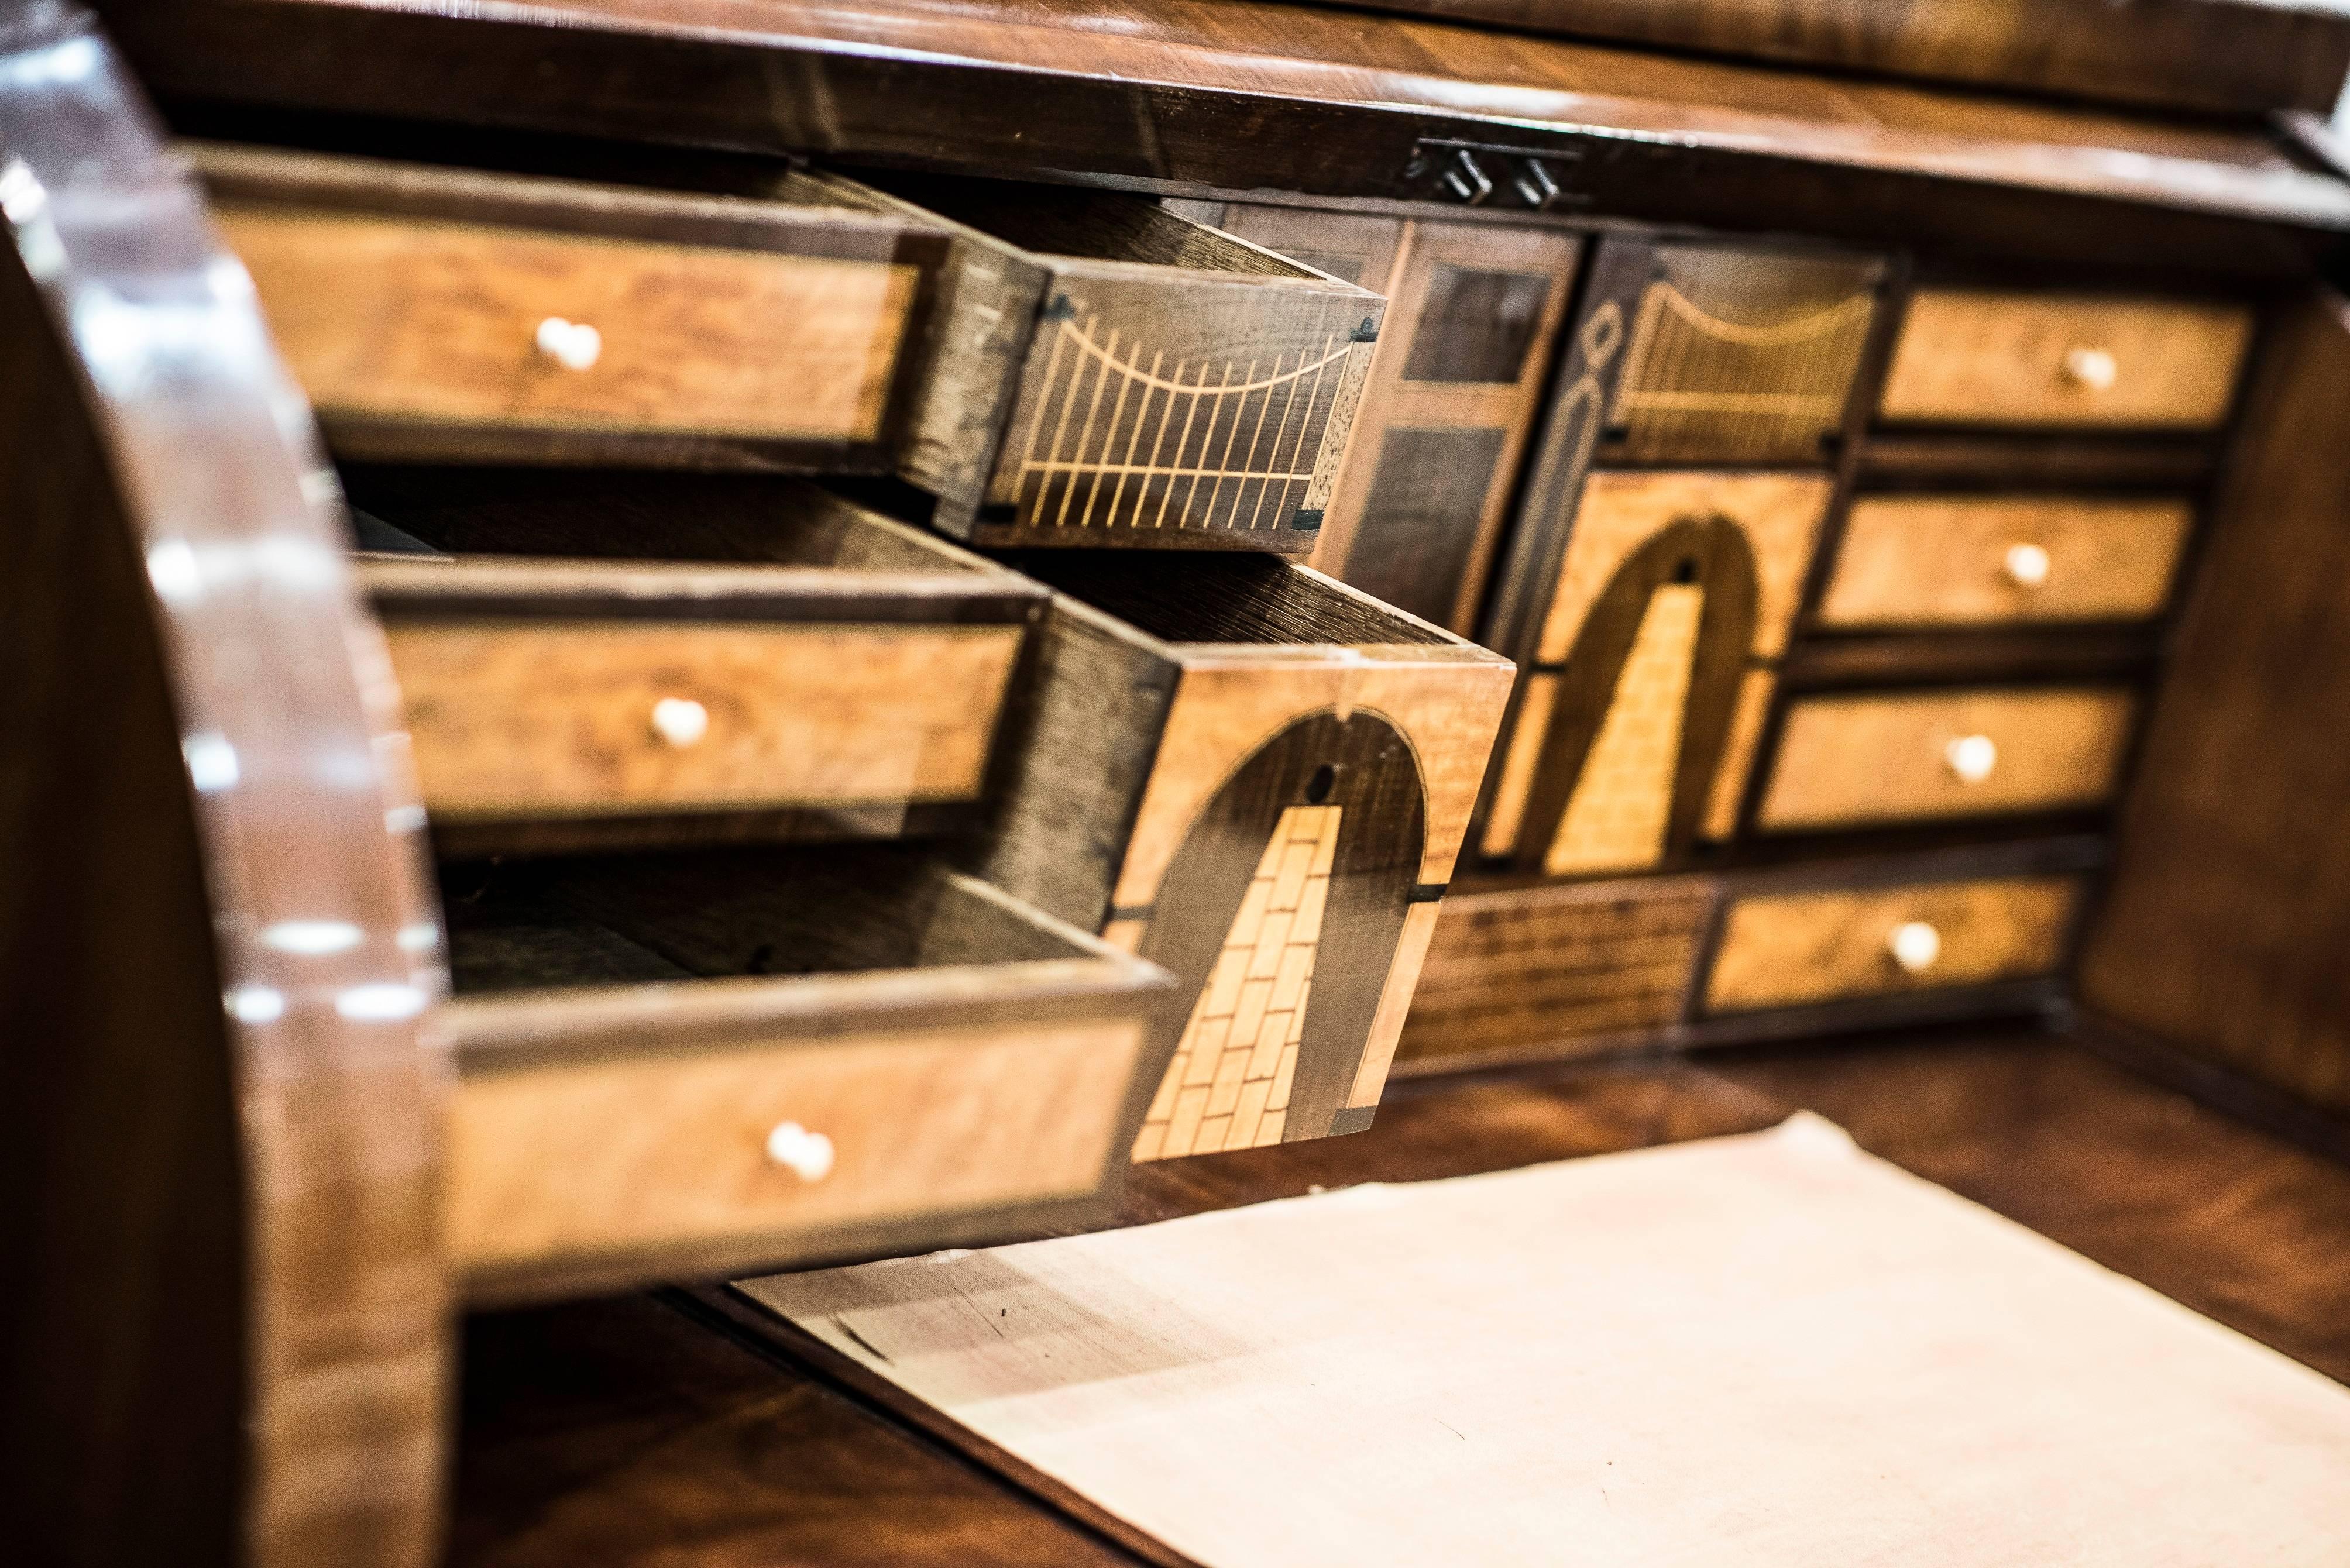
(1477, 324)
(2218, 55)
(1243, 97)
(1419, 523)
(2224, 929)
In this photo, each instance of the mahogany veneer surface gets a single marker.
(622, 1431)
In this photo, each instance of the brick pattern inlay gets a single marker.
(1228, 1086)
(1617, 817)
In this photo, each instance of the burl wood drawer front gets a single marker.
(1113, 373)
(1930, 560)
(443, 314)
(601, 716)
(670, 1065)
(1784, 949)
(1993, 358)
(1852, 761)
(680, 1147)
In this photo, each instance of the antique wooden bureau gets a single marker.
(742, 635)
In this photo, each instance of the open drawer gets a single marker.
(684, 1065)
(820, 672)
(453, 315)
(1113, 373)
(1258, 778)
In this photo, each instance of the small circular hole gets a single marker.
(1318, 787)
(1685, 569)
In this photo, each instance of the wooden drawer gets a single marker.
(1258, 778)
(444, 315)
(852, 683)
(682, 1066)
(1734, 355)
(1556, 971)
(1934, 560)
(1113, 373)
(1986, 358)
(1849, 761)
(1787, 950)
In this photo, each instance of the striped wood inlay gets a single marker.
(1542, 965)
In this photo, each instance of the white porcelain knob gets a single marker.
(1915, 946)
(2026, 565)
(2091, 368)
(681, 720)
(573, 345)
(806, 1155)
(1971, 758)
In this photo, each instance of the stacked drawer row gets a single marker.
(813, 886)
(1833, 593)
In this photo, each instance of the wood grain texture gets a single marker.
(1532, 966)
(1242, 97)
(1930, 560)
(1740, 355)
(525, 719)
(1780, 513)
(558, 1161)
(1850, 760)
(2231, 898)
(1433, 557)
(1781, 950)
(1994, 358)
(2206, 55)
(225, 1333)
(394, 318)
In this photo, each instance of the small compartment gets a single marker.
(691, 1063)
(1114, 373)
(1870, 759)
(1980, 357)
(1968, 561)
(437, 314)
(1258, 778)
(808, 669)
(1734, 355)
(1796, 948)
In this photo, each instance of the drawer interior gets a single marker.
(1203, 598)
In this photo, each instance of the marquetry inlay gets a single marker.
(1228, 1086)
(1615, 818)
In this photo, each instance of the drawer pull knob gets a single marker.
(1971, 758)
(681, 720)
(1915, 946)
(2091, 368)
(806, 1155)
(2026, 565)
(573, 345)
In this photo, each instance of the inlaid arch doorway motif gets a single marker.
(1282, 912)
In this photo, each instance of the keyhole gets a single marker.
(1685, 569)
(1318, 787)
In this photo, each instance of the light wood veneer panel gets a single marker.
(1994, 358)
(1931, 560)
(537, 719)
(1779, 949)
(636, 1153)
(1845, 761)
(437, 322)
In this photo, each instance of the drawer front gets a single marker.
(522, 718)
(1962, 561)
(514, 330)
(629, 1155)
(2019, 360)
(1153, 405)
(1852, 761)
(1784, 949)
